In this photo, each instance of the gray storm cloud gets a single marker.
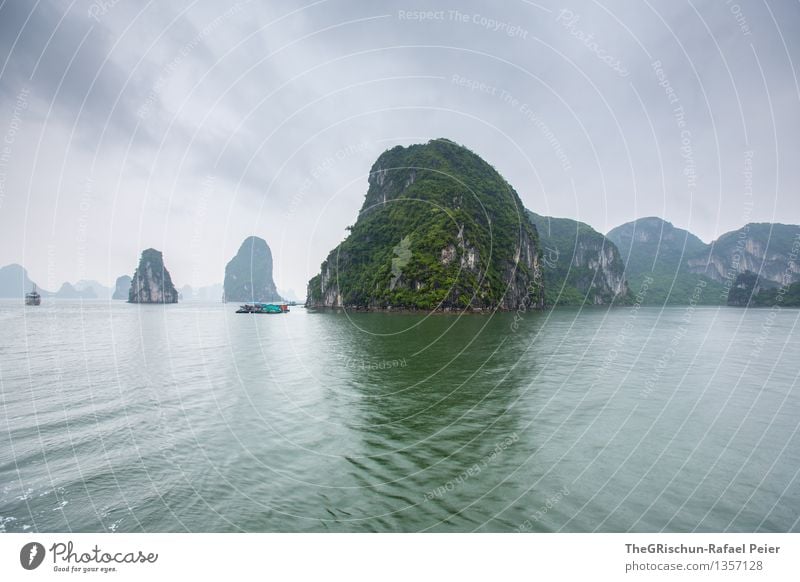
(190, 126)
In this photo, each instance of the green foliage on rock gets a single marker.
(785, 297)
(439, 228)
(654, 250)
(683, 267)
(743, 289)
(581, 266)
(749, 290)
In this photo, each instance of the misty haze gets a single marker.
(388, 267)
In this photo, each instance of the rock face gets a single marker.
(678, 261)
(439, 229)
(782, 296)
(248, 275)
(122, 288)
(763, 248)
(648, 240)
(151, 282)
(744, 289)
(656, 256)
(750, 290)
(581, 266)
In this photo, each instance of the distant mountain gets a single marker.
(682, 266)
(98, 289)
(762, 248)
(206, 293)
(656, 242)
(290, 295)
(581, 266)
(655, 251)
(14, 281)
(215, 292)
(151, 282)
(248, 275)
(68, 291)
(122, 288)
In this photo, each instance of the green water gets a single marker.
(116, 417)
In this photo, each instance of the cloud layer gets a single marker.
(189, 127)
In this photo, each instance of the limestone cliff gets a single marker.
(122, 288)
(681, 267)
(248, 275)
(151, 282)
(439, 229)
(770, 250)
(581, 266)
(656, 255)
(744, 289)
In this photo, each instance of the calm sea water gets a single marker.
(115, 417)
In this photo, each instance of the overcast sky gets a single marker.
(191, 126)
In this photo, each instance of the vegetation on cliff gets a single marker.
(769, 249)
(788, 296)
(749, 290)
(581, 266)
(683, 268)
(653, 248)
(439, 228)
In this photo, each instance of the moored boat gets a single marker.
(263, 308)
(33, 298)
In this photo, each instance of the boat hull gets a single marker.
(263, 308)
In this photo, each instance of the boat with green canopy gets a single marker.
(263, 308)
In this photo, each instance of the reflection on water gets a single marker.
(191, 418)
